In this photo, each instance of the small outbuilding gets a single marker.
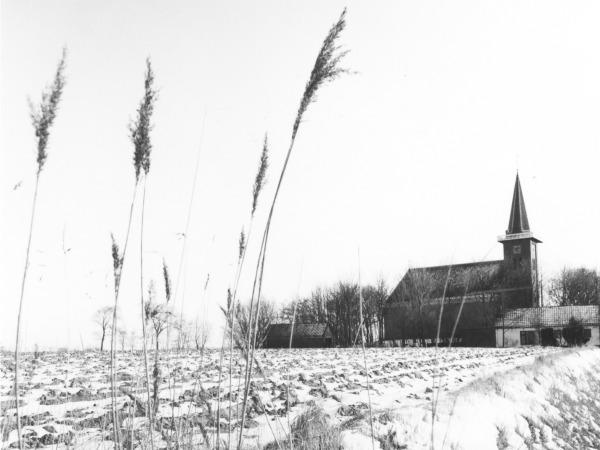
(553, 325)
(306, 335)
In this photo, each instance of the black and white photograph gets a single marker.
(299, 225)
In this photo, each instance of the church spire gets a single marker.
(517, 223)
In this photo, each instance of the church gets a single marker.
(487, 303)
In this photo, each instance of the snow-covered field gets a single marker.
(487, 397)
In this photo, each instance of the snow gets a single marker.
(485, 396)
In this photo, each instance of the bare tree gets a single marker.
(123, 337)
(312, 309)
(338, 307)
(103, 318)
(184, 332)
(201, 334)
(374, 297)
(579, 286)
(132, 340)
(379, 299)
(266, 315)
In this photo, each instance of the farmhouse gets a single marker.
(549, 326)
(305, 335)
(476, 300)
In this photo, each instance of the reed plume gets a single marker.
(140, 129)
(44, 114)
(42, 118)
(326, 69)
(117, 259)
(167, 279)
(241, 245)
(259, 180)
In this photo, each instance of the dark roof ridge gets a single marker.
(476, 263)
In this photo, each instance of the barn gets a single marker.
(306, 335)
(547, 326)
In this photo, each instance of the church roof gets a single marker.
(517, 223)
(457, 279)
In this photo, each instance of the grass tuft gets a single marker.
(312, 430)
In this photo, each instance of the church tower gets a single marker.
(520, 247)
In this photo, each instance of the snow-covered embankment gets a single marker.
(553, 403)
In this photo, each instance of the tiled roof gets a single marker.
(307, 330)
(550, 316)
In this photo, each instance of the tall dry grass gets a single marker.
(326, 69)
(140, 137)
(311, 430)
(180, 269)
(228, 315)
(257, 188)
(364, 353)
(232, 299)
(435, 395)
(42, 118)
(117, 268)
(289, 380)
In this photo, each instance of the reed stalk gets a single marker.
(326, 68)
(228, 316)
(241, 253)
(180, 268)
(364, 353)
(118, 260)
(167, 281)
(433, 388)
(117, 266)
(259, 182)
(140, 137)
(144, 338)
(289, 381)
(42, 118)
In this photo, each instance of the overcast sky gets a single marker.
(411, 159)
